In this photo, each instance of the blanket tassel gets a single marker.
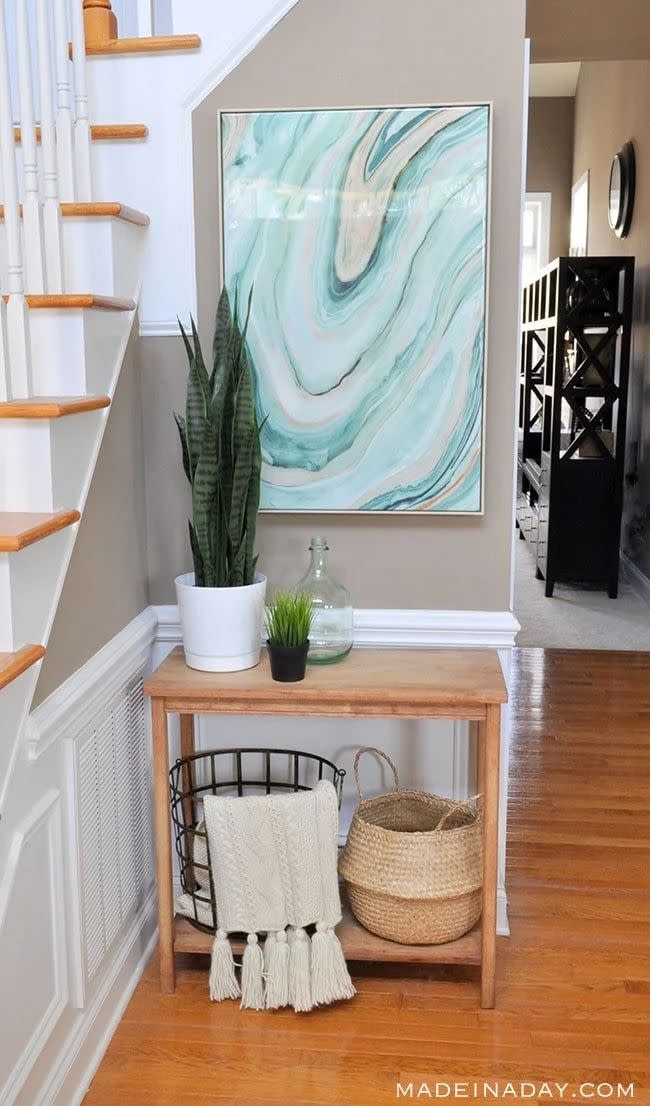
(223, 981)
(299, 973)
(330, 979)
(252, 979)
(268, 945)
(276, 968)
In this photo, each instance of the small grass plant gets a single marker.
(289, 618)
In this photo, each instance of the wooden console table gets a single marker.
(371, 683)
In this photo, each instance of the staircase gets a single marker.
(69, 277)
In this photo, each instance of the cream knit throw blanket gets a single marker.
(274, 872)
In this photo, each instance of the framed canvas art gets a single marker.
(364, 236)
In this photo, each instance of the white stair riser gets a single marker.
(100, 255)
(46, 461)
(111, 160)
(27, 581)
(73, 351)
(58, 352)
(120, 169)
(6, 619)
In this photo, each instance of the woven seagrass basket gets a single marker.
(413, 864)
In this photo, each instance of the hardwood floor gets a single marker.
(573, 981)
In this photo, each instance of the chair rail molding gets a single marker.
(393, 628)
(82, 696)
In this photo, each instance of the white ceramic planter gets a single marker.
(222, 627)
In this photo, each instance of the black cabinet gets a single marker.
(575, 362)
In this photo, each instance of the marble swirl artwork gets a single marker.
(363, 235)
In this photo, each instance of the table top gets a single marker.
(367, 682)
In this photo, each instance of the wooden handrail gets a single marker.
(100, 23)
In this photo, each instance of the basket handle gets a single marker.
(454, 808)
(379, 753)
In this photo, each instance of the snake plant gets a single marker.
(220, 442)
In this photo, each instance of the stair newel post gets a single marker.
(51, 209)
(19, 382)
(32, 230)
(99, 22)
(63, 120)
(81, 129)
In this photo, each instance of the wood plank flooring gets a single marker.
(573, 980)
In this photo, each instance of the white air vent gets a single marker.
(114, 822)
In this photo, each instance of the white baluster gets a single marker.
(81, 123)
(51, 209)
(32, 239)
(4, 368)
(63, 123)
(145, 18)
(19, 384)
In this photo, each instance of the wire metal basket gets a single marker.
(234, 772)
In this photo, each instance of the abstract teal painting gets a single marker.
(363, 234)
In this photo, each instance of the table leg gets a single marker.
(187, 735)
(491, 734)
(163, 846)
(187, 750)
(480, 760)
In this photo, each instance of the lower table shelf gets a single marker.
(358, 944)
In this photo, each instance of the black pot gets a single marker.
(288, 662)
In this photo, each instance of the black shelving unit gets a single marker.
(575, 363)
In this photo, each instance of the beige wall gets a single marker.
(106, 582)
(573, 30)
(342, 54)
(612, 105)
(550, 162)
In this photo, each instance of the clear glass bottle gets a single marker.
(330, 636)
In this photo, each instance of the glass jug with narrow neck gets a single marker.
(330, 637)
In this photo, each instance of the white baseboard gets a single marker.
(637, 580)
(503, 925)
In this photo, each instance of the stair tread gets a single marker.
(51, 407)
(101, 132)
(156, 44)
(13, 665)
(75, 300)
(21, 528)
(101, 209)
(104, 208)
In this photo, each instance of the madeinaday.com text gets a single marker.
(520, 1090)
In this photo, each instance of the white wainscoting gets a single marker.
(438, 756)
(32, 935)
(77, 897)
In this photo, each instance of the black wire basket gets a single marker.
(234, 772)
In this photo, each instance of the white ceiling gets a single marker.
(554, 78)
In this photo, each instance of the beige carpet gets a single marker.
(576, 618)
